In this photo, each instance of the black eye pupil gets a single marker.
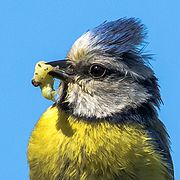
(97, 70)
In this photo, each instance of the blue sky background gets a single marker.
(45, 29)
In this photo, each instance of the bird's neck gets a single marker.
(141, 114)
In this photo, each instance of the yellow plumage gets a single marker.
(61, 146)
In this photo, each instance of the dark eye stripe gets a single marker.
(85, 70)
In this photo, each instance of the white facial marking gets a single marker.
(101, 105)
(86, 43)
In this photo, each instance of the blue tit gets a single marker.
(104, 124)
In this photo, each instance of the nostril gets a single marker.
(35, 83)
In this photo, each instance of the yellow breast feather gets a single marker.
(61, 146)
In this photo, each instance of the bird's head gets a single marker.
(106, 71)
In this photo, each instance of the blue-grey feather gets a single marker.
(119, 36)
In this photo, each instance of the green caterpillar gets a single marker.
(44, 80)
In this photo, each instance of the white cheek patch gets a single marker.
(83, 103)
(101, 105)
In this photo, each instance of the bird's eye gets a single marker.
(97, 70)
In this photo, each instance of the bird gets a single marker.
(104, 124)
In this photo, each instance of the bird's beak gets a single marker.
(62, 70)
